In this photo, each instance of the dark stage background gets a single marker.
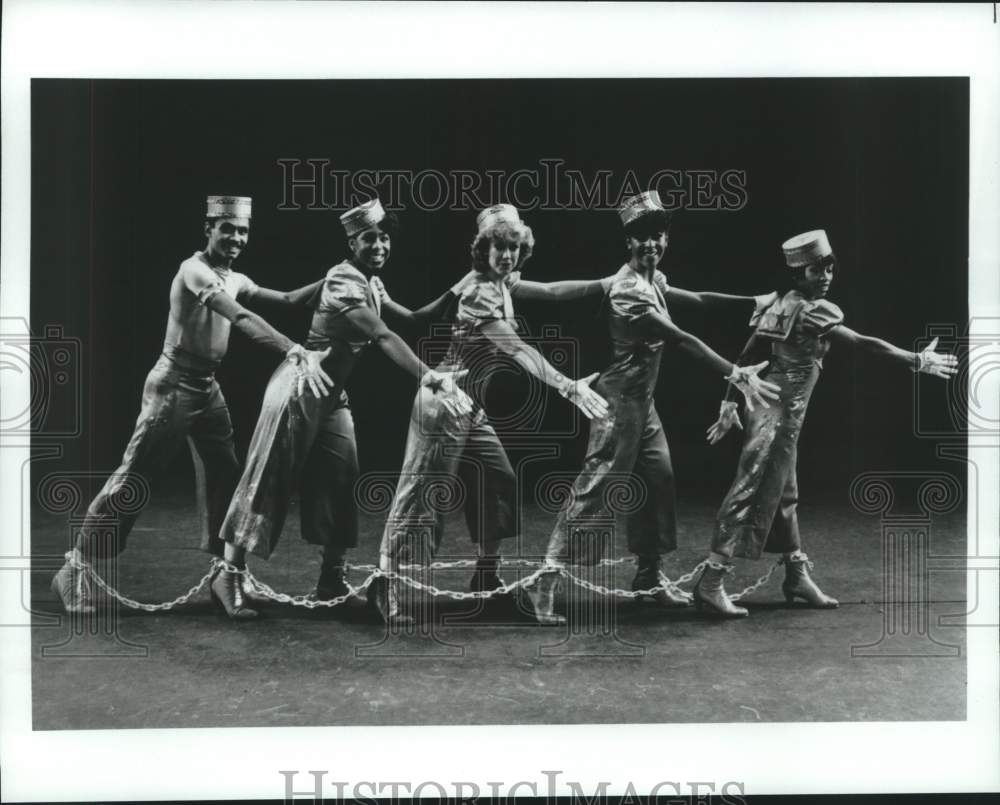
(120, 171)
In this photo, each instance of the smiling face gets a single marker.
(646, 239)
(503, 256)
(227, 238)
(815, 280)
(370, 249)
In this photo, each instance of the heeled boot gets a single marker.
(799, 584)
(383, 597)
(541, 598)
(648, 576)
(710, 594)
(227, 593)
(72, 587)
(486, 576)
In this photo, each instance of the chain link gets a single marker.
(260, 588)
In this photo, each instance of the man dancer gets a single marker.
(181, 397)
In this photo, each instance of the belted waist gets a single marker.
(188, 361)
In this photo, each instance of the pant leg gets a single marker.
(434, 444)
(765, 464)
(652, 529)
(217, 470)
(168, 406)
(784, 536)
(280, 445)
(488, 479)
(329, 508)
(611, 456)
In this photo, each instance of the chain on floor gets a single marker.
(259, 588)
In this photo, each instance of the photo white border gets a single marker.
(236, 39)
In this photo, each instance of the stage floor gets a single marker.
(293, 667)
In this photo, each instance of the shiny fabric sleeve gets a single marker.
(480, 302)
(200, 280)
(821, 316)
(245, 285)
(660, 281)
(631, 298)
(345, 288)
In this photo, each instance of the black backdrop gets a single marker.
(120, 170)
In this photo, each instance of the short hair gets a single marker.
(648, 224)
(787, 276)
(504, 230)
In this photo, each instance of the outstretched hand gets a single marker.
(746, 379)
(585, 398)
(310, 371)
(938, 364)
(728, 417)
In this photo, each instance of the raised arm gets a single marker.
(530, 359)
(928, 361)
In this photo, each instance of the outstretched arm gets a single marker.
(399, 352)
(710, 298)
(300, 297)
(928, 361)
(432, 311)
(657, 325)
(561, 291)
(531, 360)
(260, 332)
(745, 378)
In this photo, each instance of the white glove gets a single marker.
(729, 415)
(752, 387)
(583, 397)
(936, 363)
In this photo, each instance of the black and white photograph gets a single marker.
(635, 425)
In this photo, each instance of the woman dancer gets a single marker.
(759, 511)
(442, 446)
(305, 440)
(630, 441)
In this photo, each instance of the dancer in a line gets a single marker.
(443, 447)
(630, 442)
(759, 512)
(181, 397)
(308, 442)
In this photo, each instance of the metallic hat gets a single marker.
(640, 205)
(497, 214)
(362, 217)
(228, 207)
(807, 248)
